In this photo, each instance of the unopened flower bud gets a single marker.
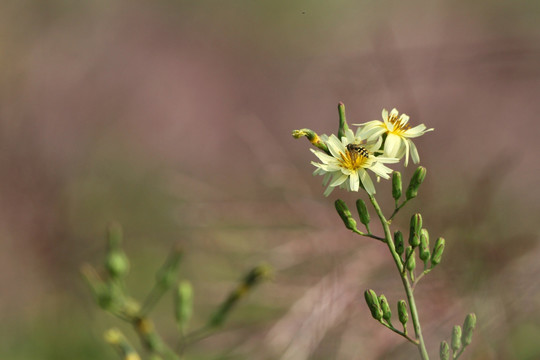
(424, 245)
(312, 137)
(456, 338)
(387, 313)
(362, 212)
(345, 214)
(396, 185)
(411, 260)
(402, 312)
(414, 230)
(468, 327)
(343, 127)
(398, 242)
(372, 302)
(183, 304)
(438, 250)
(117, 264)
(416, 180)
(444, 351)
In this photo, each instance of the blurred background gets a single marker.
(174, 119)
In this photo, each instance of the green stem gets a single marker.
(404, 278)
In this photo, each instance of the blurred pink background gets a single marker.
(174, 118)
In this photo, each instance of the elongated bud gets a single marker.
(252, 278)
(345, 214)
(411, 260)
(444, 351)
(396, 185)
(438, 250)
(362, 212)
(116, 261)
(456, 338)
(373, 303)
(468, 327)
(414, 230)
(398, 242)
(387, 313)
(402, 312)
(313, 138)
(424, 245)
(166, 275)
(183, 304)
(343, 127)
(416, 180)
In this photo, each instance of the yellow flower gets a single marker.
(398, 132)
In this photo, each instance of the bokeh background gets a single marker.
(174, 119)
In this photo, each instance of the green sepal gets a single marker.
(345, 214)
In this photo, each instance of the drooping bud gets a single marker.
(362, 212)
(343, 127)
(387, 313)
(414, 230)
(411, 260)
(438, 250)
(372, 302)
(456, 338)
(424, 246)
(468, 327)
(183, 304)
(416, 180)
(444, 351)
(396, 185)
(313, 138)
(402, 312)
(398, 242)
(345, 214)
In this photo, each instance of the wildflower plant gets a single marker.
(346, 161)
(110, 293)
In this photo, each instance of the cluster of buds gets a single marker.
(461, 338)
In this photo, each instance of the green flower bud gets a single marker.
(362, 212)
(343, 127)
(411, 260)
(414, 230)
(416, 180)
(313, 138)
(373, 303)
(345, 214)
(424, 245)
(398, 242)
(183, 304)
(117, 264)
(468, 327)
(387, 313)
(396, 185)
(456, 338)
(444, 351)
(437, 252)
(402, 312)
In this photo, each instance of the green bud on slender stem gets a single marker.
(411, 260)
(343, 127)
(345, 214)
(414, 230)
(117, 264)
(183, 304)
(121, 344)
(252, 278)
(402, 312)
(313, 138)
(424, 246)
(387, 313)
(374, 305)
(396, 185)
(363, 213)
(437, 252)
(416, 180)
(444, 351)
(398, 242)
(456, 339)
(468, 327)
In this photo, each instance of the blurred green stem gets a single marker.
(404, 278)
